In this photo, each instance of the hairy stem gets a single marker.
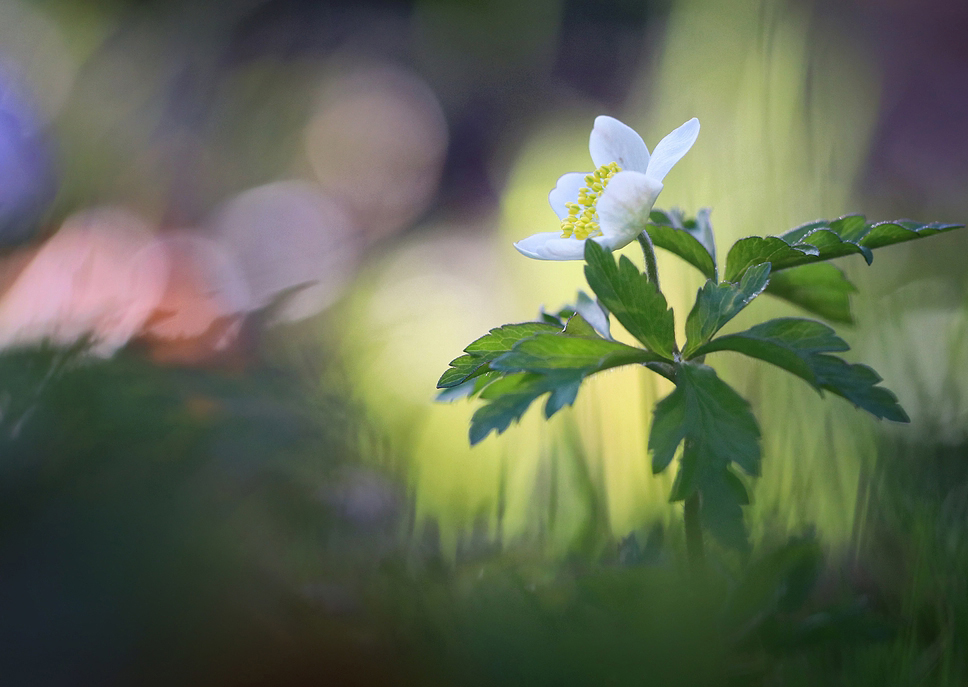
(651, 271)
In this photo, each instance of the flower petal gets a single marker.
(612, 141)
(566, 191)
(549, 245)
(671, 149)
(624, 207)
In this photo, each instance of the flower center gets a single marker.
(582, 220)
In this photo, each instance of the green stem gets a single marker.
(651, 271)
(694, 544)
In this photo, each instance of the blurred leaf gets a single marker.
(824, 240)
(694, 245)
(842, 624)
(800, 347)
(716, 304)
(780, 580)
(819, 288)
(635, 302)
(485, 349)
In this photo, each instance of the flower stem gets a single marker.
(651, 271)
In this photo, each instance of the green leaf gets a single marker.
(780, 580)
(739, 488)
(819, 288)
(461, 370)
(801, 346)
(685, 245)
(707, 412)
(594, 313)
(490, 346)
(755, 250)
(825, 240)
(858, 384)
(684, 242)
(718, 429)
(721, 510)
(631, 298)
(510, 396)
(468, 388)
(700, 227)
(579, 326)
(787, 342)
(555, 364)
(717, 304)
(551, 352)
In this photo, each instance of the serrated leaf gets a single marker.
(461, 370)
(858, 384)
(579, 326)
(717, 304)
(715, 419)
(819, 288)
(721, 510)
(555, 364)
(482, 351)
(691, 240)
(468, 388)
(802, 347)
(551, 352)
(825, 240)
(718, 429)
(787, 342)
(500, 339)
(550, 318)
(594, 313)
(755, 250)
(510, 396)
(738, 487)
(631, 298)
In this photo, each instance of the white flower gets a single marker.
(612, 204)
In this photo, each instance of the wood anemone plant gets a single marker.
(514, 365)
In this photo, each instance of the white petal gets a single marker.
(624, 207)
(566, 191)
(549, 245)
(671, 149)
(612, 141)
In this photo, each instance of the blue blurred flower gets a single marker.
(26, 174)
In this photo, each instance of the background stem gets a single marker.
(694, 543)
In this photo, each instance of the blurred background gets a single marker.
(242, 239)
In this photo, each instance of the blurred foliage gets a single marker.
(308, 522)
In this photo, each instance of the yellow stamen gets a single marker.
(582, 220)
